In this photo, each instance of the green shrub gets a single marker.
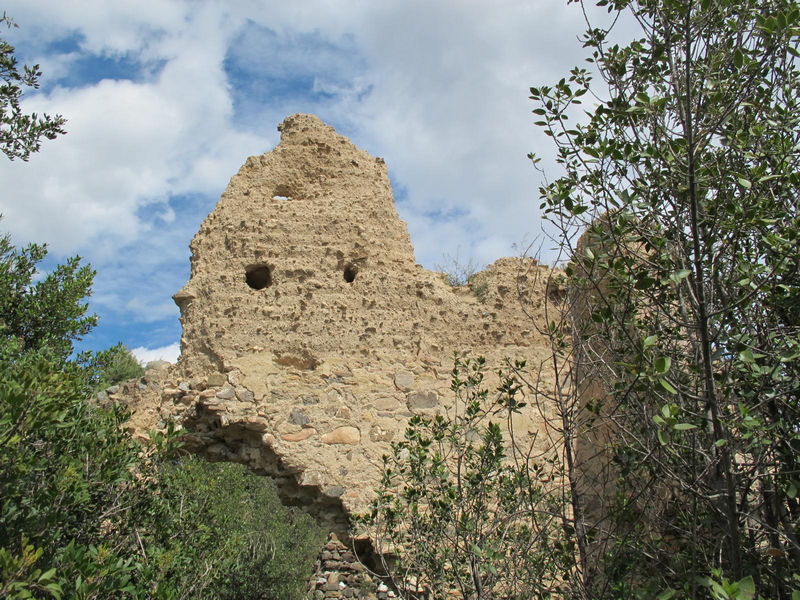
(113, 366)
(456, 272)
(479, 285)
(87, 512)
(464, 510)
(229, 537)
(67, 481)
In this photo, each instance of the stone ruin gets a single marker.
(311, 335)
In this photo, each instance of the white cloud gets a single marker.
(451, 115)
(169, 353)
(438, 89)
(130, 143)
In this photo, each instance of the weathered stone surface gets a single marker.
(298, 417)
(170, 392)
(244, 395)
(305, 301)
(157, 365)
(421, 400)
(334, 491)
(216, 380)
(226, 393)
(387, 404)
(342, 435)
(380, 434)
(404, 381)
(301, 435)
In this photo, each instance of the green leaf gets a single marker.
(769, 178)
(662, 364)
(684, 426)
(667, 386)
(746, 356)
(650, 341)
(745, 183)
(791, 491)
(747, 588)
(680, 275)
(738, 58)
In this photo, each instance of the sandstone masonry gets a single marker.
(310, 334)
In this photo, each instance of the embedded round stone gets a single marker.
(342, 435)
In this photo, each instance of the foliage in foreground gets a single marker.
(463, 509)
(87, 512)
(682, 344)
(20, 133)
(222, 533)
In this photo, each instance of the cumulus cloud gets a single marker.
(130, 144)
(189, 89)
(169, 353)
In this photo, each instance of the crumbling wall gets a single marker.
(311, 335)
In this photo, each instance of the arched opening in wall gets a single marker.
(258, 277)
(350, 272)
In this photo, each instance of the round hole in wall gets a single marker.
(258, 277)
(350, 272)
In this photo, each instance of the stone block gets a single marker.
(216, 379)
(298, 417)
(404, 380)
(301, 435)
(342, 435)
(422, 400)
(226, 393)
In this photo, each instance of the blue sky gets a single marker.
(165, 100)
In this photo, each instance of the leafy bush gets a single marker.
(463, 509)
(67, 480)
(113, 366)
(685, 337)
(222, 533)
(47, 315)
(86, 512)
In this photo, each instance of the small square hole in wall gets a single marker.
(350, 271)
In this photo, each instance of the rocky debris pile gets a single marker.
(339, 574)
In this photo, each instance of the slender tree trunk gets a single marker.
(726, 488)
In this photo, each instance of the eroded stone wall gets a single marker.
(311, 335)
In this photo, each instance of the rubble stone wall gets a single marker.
(311, 335)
